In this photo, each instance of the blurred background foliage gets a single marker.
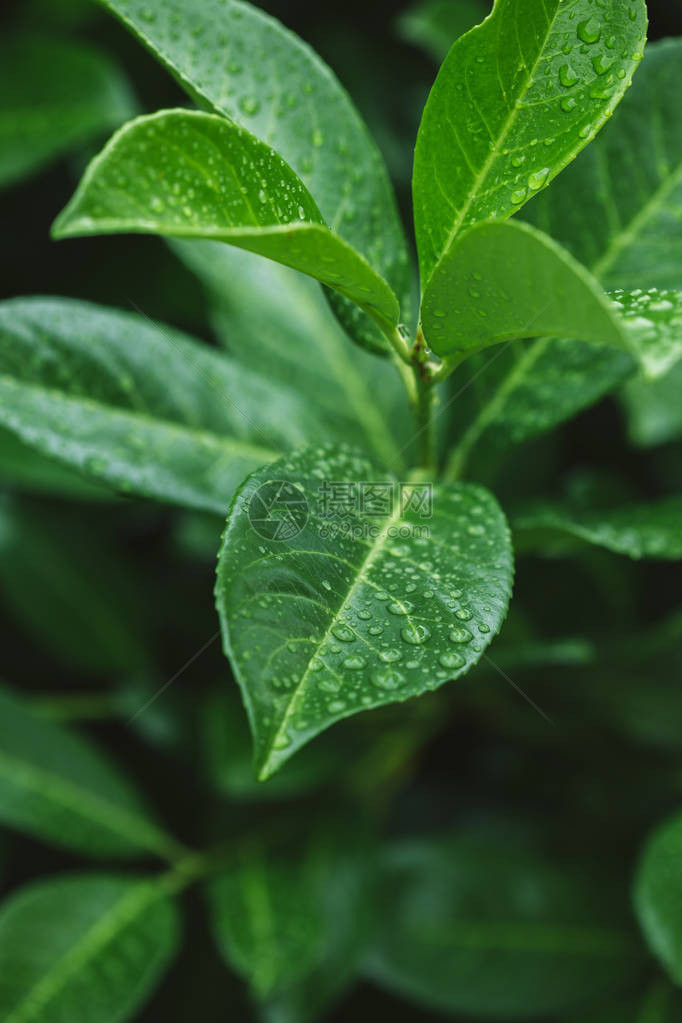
(105, 599)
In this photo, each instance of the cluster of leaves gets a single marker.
(268, 186)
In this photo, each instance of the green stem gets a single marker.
(426, 429)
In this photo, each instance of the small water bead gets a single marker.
(262, 197)
(400, 607)
(249, 105)
(484, 628)
(390, 655)
(568, 103)
(364, 615)
(343, 632)
(518, 196)
(452, 659)
(601, 64)
(460, 635)
(326, 584)
(518, 161)
(336, 706)
(375, 630)
(589, 31)
(355, 663)
(535, 181)
(464, 614)
(567, 76)
(415, 634)
(388, 678)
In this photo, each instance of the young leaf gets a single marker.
(136, 405)
(84, 947)
(436, 24)
(658, 895)
(328, 609)
(217, 50)
(194, 175)
(459, 930)
(515, 101)
(54, 95)
(625, 226)
(640, 531)
(499, 282)
(56, 786)
(267, 314)
(51, 574)
(292, 920)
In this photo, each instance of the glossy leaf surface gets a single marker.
(138, 405)
(326, 612)
(217, 49)
(515, 101)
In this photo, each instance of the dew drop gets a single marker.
(415, 634)
(535, 181)
(460, 635)
(464, 614)
(451, 659)
(388, 678)
(343, 632)
(568, 103)
(400, 607)
(390, 655)
(567, 76)
(249, 105)
(355, 663)
(518, 195)
(589, 31)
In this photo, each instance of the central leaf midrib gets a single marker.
(373, 552)
(49, 985)
(495, 151)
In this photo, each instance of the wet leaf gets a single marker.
(515, 101)
(327, 612)
(192, 175)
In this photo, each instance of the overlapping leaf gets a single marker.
(194, 175)
(138, 406)
(515, 101)
(217, 50)
(84, 947)
(56, 786)
(640, 531)
(330, 609)
(289, 328)
(54, 95)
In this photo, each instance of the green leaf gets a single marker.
(54, 95)
(51, 578)
(515, 101)
(217, 50)
(474, 924)
(653, 321)
(57, 786)
(499, 282)
(292, 918)
(436, 24)
(88, 948)
(625, 226)
(266, 314)
(358, 608)
(510, 395)
(658, 895)
(639, 531)
(193, 175)
(26, 470)
(136, 405)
